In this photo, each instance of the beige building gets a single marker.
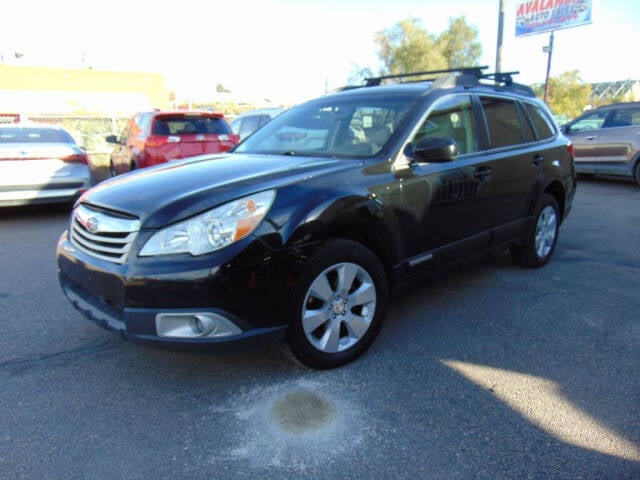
(42, 90)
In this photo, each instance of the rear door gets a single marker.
(515, 160)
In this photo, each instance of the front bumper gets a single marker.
(245, 290)
(138, 324)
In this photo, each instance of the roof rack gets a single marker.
(374, 81)
(466, 76)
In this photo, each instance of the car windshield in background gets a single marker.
(182, 125)
(34, 135)
(354, 126)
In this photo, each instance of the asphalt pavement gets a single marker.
(491, 372)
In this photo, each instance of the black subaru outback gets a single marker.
(307, 228)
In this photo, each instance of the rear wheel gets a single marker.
(637, 173)
(112, 170)
(543, 237)
(338, 305)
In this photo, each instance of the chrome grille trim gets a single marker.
(102, 235)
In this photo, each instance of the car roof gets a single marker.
(30, 125)
(619, 105)
(186, 113)
(261, 111)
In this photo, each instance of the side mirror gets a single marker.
(433, 149)
(111, 139)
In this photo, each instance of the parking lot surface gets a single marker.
(490, 372)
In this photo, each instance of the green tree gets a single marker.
(459, 44)
(568, 94)
(409, 47)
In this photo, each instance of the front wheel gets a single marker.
(543, 236)
(637, 173)
(338, 305)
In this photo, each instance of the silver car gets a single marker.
(607, 140)
(40, 164)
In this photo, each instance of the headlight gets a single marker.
(212, 230)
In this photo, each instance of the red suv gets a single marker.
(158, 137)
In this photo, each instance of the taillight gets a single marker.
(571, 150)
(77, 158)
(161, 140)
(235, 138)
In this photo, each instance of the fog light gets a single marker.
(195, 325)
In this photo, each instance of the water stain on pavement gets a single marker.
(302, 411)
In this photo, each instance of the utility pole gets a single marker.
(500, 33)
(549, 50)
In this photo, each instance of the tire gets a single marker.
(112, 170)
(338, 305)
(543, 237)
(637, 173)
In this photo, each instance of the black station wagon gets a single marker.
(309, 226)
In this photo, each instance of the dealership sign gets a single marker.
(537, 16)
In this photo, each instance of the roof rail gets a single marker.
(475, 71)
(500, 77)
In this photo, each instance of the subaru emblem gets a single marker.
(92, 224)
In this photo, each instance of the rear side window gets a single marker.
(503, 122)
(34, 135)
(541, 122)
(186, 125)
(624, 117)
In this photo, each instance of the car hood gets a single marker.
(167, 193)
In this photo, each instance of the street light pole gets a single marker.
(500, 34)
(549, 50)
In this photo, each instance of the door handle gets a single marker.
(483, 173)
(537, 160)
(590, 138)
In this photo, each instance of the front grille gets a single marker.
(103, 235)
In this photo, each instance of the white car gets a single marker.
(40, 164)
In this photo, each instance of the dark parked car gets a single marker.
(248, 122)
(309, 225)
(157, 137)
(40, 164)
(607, 140)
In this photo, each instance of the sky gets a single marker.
(286, 51)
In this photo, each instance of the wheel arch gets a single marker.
(356, 218)
(557, 190)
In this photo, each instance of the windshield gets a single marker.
(335, 126)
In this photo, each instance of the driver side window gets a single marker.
(452, 118)
(592, 121)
